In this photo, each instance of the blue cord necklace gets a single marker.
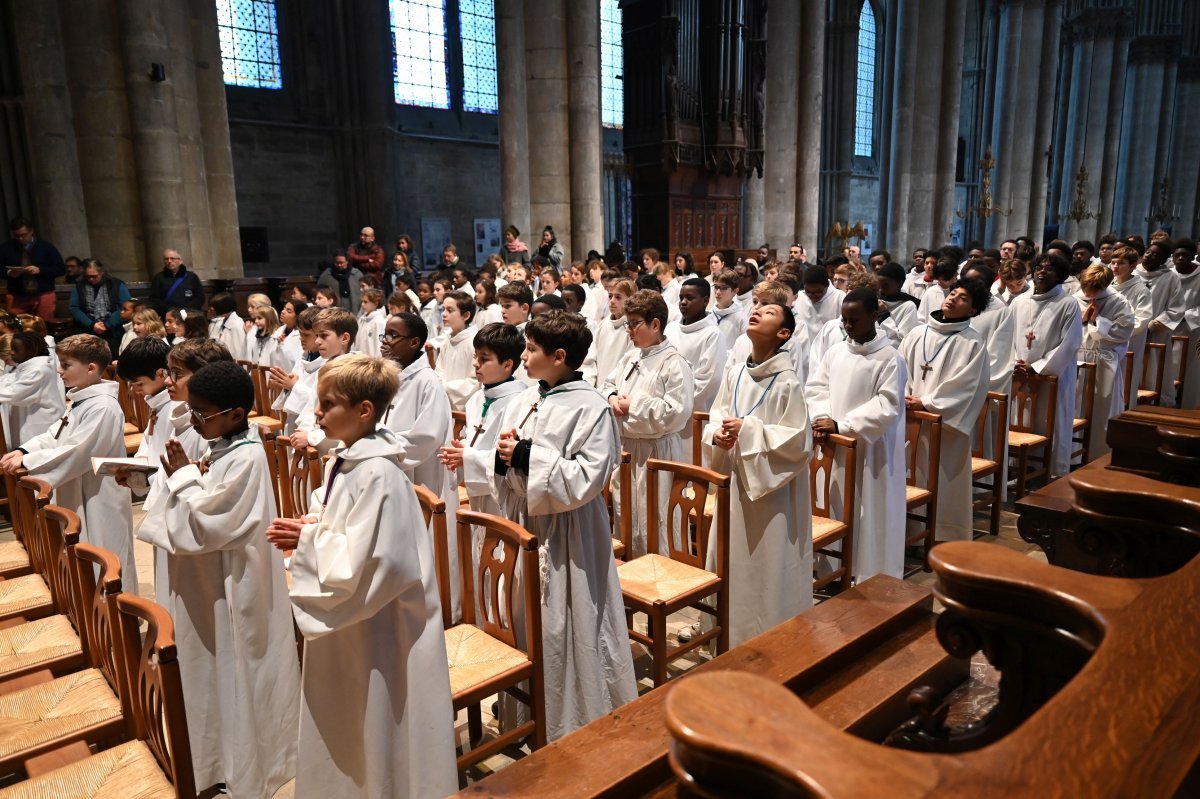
(737, 386)
(928, 364)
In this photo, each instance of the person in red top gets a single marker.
(367, 256)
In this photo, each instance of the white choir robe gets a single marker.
(230, 330)
(670, 292)
(31, 396)
(95, 427)
(1190, 286)
(1136, 293)
(289, 349)
(903, 315)
(302, 394)
(915, 283)
(487, 316)
(1005, 296)
(455, 366)
(233, 626)
(306, 420)
(832, 332)
(261, 349)
(610, 341)
(796, 346)
(861, 387)
(932, 300)
(1105, 340)
(574, 448)
(954, 385)
(595, 303)
(731, 321)
(376, 718)
(995, 326)
(431, 314)
(1166, 300)
(702, 345)
(370, 332)
(419, 417)
(813, 316)
(770, 511)
(1053, 318)
(659, 383)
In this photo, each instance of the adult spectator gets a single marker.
(74, 272)
(551, 249)
(31, 267)
(175, 286)
(406, 245)
(344, 279)
(96, 301)
(366, 256)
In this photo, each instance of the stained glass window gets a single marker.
(419, 45)
(249, 37)
(864, 106)
(477, 20)
(612, 90)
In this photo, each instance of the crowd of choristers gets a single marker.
(558, 368)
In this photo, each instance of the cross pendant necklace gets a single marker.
(927, 359)
(532, 410)
(479, 432)
(632, 368)
(1029, 337)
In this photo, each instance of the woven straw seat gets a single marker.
(68, 707)
(476, 657)
(653, 577)
(823, 528)
(463, 498)
(128, 771)
(13, 557)
(1016, 439)
(24, 594)
(28, 646)
(915, 494)
(979, 464)
(131, 429)
(272, 424)
(618, 548)
(133, 442)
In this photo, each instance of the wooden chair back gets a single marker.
(1152, 380)
(61, 528)
(269, 393)
(137, 413)
(98, 575)
(299, 475)
(915, 422)
(433, 508)
(262, 407)
(8, 484)
(1085, 390)
(994, 407)
(1127, 378)
(32, 497)
(493, 586)
(1030, 403)
(156, 688)
(820, 477)
(268, 441)
(1181, 360)
(699, 420)
(460, 423)
(622, 523)
(687, 524)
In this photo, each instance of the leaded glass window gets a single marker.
(419, 43)
(612, 90)
(864, 105)
(477, 23)
(249, 35)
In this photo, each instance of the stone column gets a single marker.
(1051, 29)
(780, 158)
(808, 122)
(947, 134)
(512, 119)
(1186, 157)
(547, 100)
(754, 211)
(57, 188)
(587, 195)
(840, 108)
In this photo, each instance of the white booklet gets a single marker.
(108, 466)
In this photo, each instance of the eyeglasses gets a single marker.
(197, 417)
(175, 375)
(719, 287)
(634, 325)
(390, 336)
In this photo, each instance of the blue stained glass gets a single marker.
(419, 53)
(477, 20)
(612, 89)
(249, 37)
(864, 104)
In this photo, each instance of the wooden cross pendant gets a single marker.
(478, 432)
(925, 367)
(1029, 337)
(633, 367)
(532, 410)
(62, 423)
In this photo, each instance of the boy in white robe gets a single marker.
(93, 426)
(651, 394)
(1130, 285)
(226, 326)
(1167, 309)
(334, 330)
(945, 272)
(376, 718)
(32, 393)
(1047, 340)
(610, 341)
(857, 390)
(297, 385)
(1107, 325)
(1013, 282)
(550, 469)
(730, 315)
(454, 351)
(419, 416)
(758, 433)
(1184, 258)
(919, 282)
(819, 303)
(370, 322)
(228, 595)
(901, 308)
(797, 345)
(701, 344)
(947, 366)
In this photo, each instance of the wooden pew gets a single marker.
(1113, 728)
(1157, 442)
(854, 657)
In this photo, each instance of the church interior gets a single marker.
(1022, 623)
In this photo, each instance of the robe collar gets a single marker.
(504, 389)
(181, 418)
(416, 366)
(573, 382)
(1133, 280)
(105, 388)
(705, 321)
(159, 401)
(220, 447)
(874, 345)
(616, 324)
(382, 443)
(657, 349)
(721, 313)
(312, 366)
(1189, 277)
(781, 361)
(946, 328)
(33, 364)
(462, 335)
(1052, 294)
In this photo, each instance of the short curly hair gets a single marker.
(649, 305)
(224, 384)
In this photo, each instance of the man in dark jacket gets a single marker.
(31, 267)
(366, 256)
(96, 304)
(345, 280)
(175, 286)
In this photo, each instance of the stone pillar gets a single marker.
(1047, 86)
(780, 158)
(547, 100)
(754, 212)
(587, 183)
(1186, 157)
(840, 108)
(947, 135)
(57, 190)
(810, 89)
(512, 117)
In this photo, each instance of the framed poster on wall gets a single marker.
(435, 235)
(487, 239)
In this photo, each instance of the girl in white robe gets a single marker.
(1167, 309)
(376, 718)
(860, 387)
(230, 330)
(32, 395)
(1130, 285)
(610, 339)
(454, 367)
(770, 520)
(233, 628)
(1106, 333)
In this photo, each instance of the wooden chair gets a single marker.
(434, 511)
(996, 408)
(1033, 400)
(1127, 378)
(268, 441)
(91, 706)
(484, 653)
(659, 585)
(827, 530)
(300, 474)
(460, 422)
(14, 557)
(699, 420)
(1150, 388)
(260, 414)
(1184, 355)
(1081, 426)
(137, 413)
(918, 496)
(28, 597)
(622, 525)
